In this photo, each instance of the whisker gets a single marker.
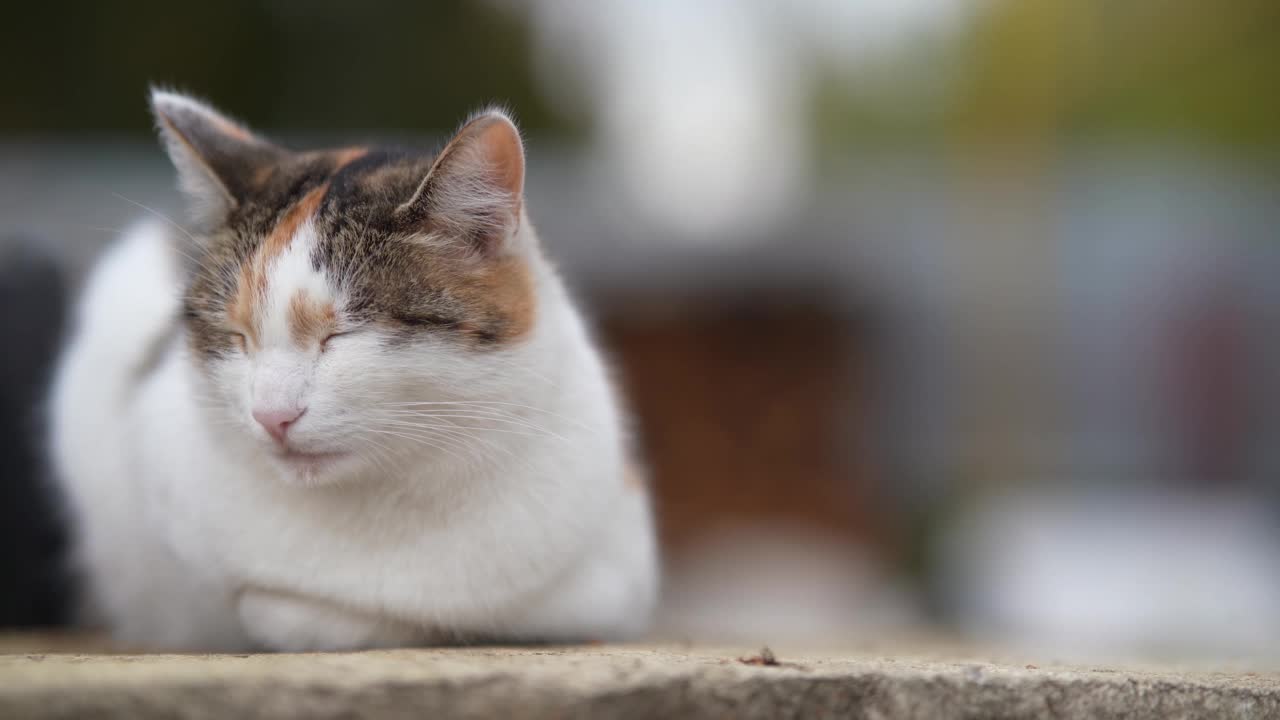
(420, 439)
(514, 423)
(463, 415)
(454, 426)
(160, 215)
(491, 403)
(453, 436)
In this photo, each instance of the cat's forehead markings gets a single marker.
(279, 285)
(281, 237)
(298, 308)
(310, 319)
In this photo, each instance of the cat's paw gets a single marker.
(294, 623)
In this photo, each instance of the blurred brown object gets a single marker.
(749, 414)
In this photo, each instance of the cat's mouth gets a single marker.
(309, 461)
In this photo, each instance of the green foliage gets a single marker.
(1039, 72)
(1184, 69)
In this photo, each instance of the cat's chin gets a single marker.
(311, 469)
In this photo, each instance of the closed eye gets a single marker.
(240, 342)
(324, 344)
(423, 320)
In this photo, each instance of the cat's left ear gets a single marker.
(475, 188)
(219, 161)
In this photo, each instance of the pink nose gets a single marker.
(276, 422)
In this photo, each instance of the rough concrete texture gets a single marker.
(606, 682)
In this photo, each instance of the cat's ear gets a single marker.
(219, 162)
(475, 187)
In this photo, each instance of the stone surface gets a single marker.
(606, 681)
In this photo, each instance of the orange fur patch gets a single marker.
(230, 129)
(252, 284)
(278, 241)
(504, 288)
(343, 158)
(240, 311)
(310, 321)
(262, 175)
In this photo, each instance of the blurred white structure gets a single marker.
(704, 108)
(772, 584)
(1106, 574)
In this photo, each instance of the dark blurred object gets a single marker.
(749, 413)
(32, 310)
(754, 411)
(1211, 399)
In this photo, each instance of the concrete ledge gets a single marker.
(608, 681)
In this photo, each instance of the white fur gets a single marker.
(511, 521)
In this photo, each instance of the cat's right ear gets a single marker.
(219, 161)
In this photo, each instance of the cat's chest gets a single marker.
(253, 527)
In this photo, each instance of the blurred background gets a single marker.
(942, 316)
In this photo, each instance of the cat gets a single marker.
(348, 404)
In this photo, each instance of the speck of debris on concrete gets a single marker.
(765, 657)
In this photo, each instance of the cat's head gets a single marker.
(357, 306)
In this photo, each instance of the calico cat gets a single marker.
(347, 404)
